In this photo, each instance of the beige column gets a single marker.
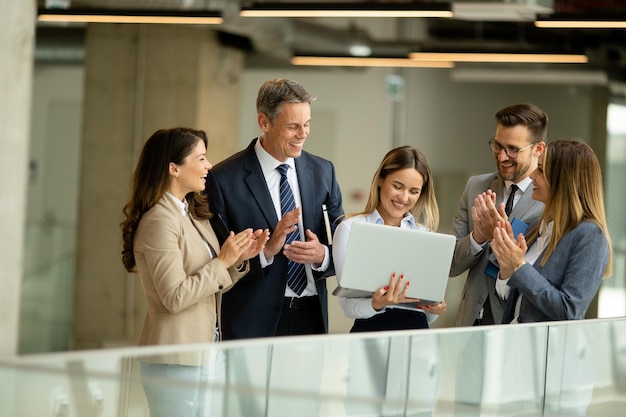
(17, 19)
(139, 78)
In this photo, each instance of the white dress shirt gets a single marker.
(272, 178)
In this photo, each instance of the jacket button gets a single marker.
(221, 287)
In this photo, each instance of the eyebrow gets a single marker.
(404, 185)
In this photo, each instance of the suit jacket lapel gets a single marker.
(209, 238)
(255, 180)
(306, 184)
(524, 204)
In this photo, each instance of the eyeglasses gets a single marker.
(512, 153)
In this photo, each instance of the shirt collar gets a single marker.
(522, 185)
(184, 206)
(408, 221)
(267, 161)
(545, 230)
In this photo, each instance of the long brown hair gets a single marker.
(151, 178)
(572, 171)
(426, 210)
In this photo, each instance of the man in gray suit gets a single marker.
(520, 137)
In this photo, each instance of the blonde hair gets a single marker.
(426, 210)
(572, 171)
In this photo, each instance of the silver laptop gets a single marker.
(375, 251)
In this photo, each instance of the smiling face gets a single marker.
(190, 176)
(399, 193)
(541, 188)
(284, 136)
(518, 137)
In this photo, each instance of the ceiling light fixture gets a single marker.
(178, 17)
(346, 9)
(564, 21)
(534, 58)
(327, 61)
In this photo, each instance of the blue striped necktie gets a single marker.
(296, 276)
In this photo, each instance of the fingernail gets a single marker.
(408, 283)
(401, 276)
(386, 287)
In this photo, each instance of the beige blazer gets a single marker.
(182, 284)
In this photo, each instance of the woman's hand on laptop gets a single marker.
(437, 309)
(394, 293)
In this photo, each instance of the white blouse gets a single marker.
(361, 308)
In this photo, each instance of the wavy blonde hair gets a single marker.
(572, 170)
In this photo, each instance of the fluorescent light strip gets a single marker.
(342, 13)
(346, 9)
(500, 57)
(577, 24)
(128, 16)
(366, 62)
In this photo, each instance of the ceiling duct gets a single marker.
(501, 10)
(486, 25)
(60, 45)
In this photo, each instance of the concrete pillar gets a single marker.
(17, 18)
(138, 78)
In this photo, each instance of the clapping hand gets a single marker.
(508, 250)
(242, 246)
(486, 216)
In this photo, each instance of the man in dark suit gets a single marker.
(245, 191)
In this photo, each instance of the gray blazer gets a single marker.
(479, 287)
(563, 288)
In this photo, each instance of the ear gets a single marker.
(539, 148)
(173, 169)
(263, 121)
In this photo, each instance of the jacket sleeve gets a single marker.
(158, 246)
(463, 225)
(580, 261)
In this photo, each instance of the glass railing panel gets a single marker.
(586, 368)
(483, 372)
(490, 371)
(62, 386)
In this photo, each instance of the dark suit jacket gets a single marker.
(238, 193)
(564, 287)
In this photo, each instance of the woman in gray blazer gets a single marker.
(168, 240)
(556, 275)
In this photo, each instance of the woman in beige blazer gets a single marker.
(169, 241)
